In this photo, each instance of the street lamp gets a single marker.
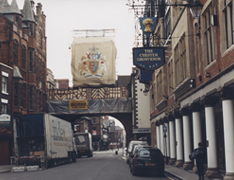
(196, 8)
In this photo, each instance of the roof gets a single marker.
(16, 73)
(4, 6)
(14, 9)
(27, 12)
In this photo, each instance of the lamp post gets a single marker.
(196, 8)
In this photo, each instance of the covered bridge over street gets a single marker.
(112, 101)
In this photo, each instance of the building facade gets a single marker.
(23, 65)
(141, 110)
(52, 83)
(194, 89)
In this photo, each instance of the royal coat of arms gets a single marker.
(92, 64)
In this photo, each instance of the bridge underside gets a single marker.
(121, 109)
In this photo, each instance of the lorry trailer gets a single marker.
(43, 139)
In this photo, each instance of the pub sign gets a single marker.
(149, 58)
(5, 120)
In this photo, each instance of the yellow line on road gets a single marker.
(169, 177)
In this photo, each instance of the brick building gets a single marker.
(22, 65)
(192, 94)
(63, 83)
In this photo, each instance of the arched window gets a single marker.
(15, 52)
(23, 57)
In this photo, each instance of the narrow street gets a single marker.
(104, 165)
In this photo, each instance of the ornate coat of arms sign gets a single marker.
(93, 61)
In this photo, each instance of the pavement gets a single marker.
(180, 173)
(177, 172)
(5, 168)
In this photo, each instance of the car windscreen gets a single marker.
(144, 153)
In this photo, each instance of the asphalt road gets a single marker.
(104, 165)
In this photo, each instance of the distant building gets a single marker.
(63, 83)
(52, 83)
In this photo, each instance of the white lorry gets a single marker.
(43, 139)
(83, 142)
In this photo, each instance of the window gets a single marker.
(183, 57)
(170, 77)
(23, 57)
(15, 52)
(159, 86)
(208, 36)
(30, 58)
(18, 21)
(228, 11)
(167, 24)
(16, 89)
(94, 120)
(94, 131)
(41, 40)
(23, 95)
(144, 153)
(180, 61)
(4, 84)
(4, 108)
(31, 30)
(31, 99)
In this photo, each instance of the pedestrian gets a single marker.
(198, 155)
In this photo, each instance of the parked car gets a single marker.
(135, 149)
(150, 161)
(131, 145)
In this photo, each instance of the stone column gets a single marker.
(179, 141)
(197, 133)
(172, 141)
(166, 141)
(158, 135)
(162, 139)
(212, 161)
(187, 139)
(228, 125)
